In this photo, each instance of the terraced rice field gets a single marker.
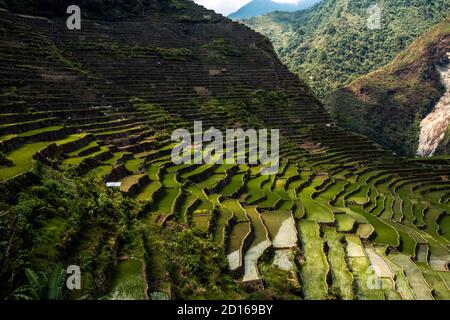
(349, 220)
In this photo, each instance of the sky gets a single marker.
(226, 7)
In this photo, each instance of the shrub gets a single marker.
(4, 161)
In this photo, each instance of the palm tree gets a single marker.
(42, 287)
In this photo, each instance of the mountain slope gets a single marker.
(392, 104)
(330, 45)
(260, 7)
(109, 9)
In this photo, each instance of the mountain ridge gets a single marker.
(260, 7)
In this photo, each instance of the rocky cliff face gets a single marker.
(434, 126)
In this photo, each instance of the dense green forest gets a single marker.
(329, 45)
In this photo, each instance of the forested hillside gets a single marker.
(390, 104)
(329, 45)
